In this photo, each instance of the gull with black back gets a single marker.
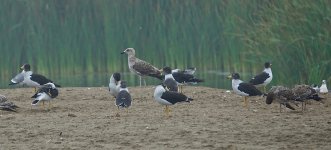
(34, 80)
(243, 89)
(168, 98)
(123, 99)
(114, 84)
(264, 78)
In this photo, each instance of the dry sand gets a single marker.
(84, 118)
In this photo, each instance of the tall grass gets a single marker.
(60, 38)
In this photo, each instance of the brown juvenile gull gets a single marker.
(303, 93)
(282, 95)
(5, 105)
(140, 67)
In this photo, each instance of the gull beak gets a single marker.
(22, 67)
(123, 52)
(161, 70)
(229, 77)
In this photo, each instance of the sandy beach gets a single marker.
(84, 118)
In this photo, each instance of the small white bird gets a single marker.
(323, 88)
(114, 84)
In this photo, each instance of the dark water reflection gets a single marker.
(212, 79)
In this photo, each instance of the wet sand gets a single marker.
(84, 118)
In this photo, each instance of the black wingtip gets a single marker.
(12, 83)
(189, 99)
(35, 102)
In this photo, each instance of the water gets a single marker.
(214, 79)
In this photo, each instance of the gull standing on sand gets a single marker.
(46, 93)
(264, 78)
(282, 95)
(34, 80)
(243, 89)
(323, 88)
(123, 99)
(169, 81)
(140, 67)
(303, 93)
(167, 98)
(114, 84)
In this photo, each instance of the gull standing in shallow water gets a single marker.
(167, 98)
(140, 67)
(243, 89)
(185, 77)
(114, 84)
(264, 78)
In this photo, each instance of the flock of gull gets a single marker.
(170, 92)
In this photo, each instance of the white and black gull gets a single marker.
(140, 67)
(243, 89)
(264, 78)
(114, 84)
(34, 80)
(123, 99)
(168, 98)
(169, 81)
(185, 77)
(46, 92)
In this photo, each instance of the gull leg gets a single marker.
(245, 101)
(50, 105)
(117, 112)
(44, 105)
(167, 111)
(140, 81)
(264, 89)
